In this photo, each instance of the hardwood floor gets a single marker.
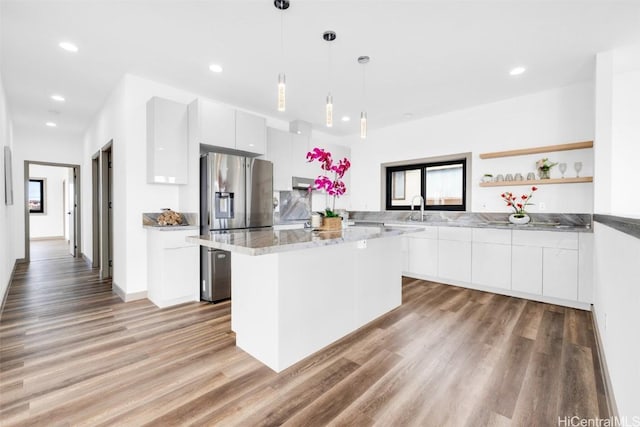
(73, 354)
(48, 249)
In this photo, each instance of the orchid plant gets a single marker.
(334, 187)
(518, 205)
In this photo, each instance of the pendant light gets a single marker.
(363, 60)
(329, 36)
(281, 5)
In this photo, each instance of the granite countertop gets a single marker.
(504, 225)
(171, 227)
(269, 241)
(539, 222)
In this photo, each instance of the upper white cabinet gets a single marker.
(212, 124)
(279, 153)
(220, 126)
(167, 142)
(251, 133)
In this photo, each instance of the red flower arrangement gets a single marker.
(518, 205)
(334, 187)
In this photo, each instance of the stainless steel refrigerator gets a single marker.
(235, 193)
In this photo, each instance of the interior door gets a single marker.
(110, 210)
(71, 211)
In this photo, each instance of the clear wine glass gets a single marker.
(563, 168)
(578, 167)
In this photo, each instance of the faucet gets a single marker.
(421, 207)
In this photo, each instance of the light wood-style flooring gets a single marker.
(73, 354)
(48, 249)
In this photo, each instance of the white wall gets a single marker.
(616, 255)
(49, 224)
(8, 214)
(44, 144)
(551, 117)
(617, 304)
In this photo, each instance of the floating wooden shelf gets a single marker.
(538, 182)
(536, 150)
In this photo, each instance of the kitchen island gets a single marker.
(296, 291)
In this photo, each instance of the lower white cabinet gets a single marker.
(423, 256)
(491, 265)
(526, 269)
(560, 273)
(551, 266)
(172, 267)
(454, 260)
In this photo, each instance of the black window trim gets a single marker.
(423, 166)
(40, 181)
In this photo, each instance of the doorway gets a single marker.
(52, 210)
(102, 210)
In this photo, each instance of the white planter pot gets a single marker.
(518, 219)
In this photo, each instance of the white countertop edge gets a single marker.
(171, 227)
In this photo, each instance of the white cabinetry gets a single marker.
(454, 253)
(223, 127)
(172, 267)
(212, 124)
(279, 153)
(526, 269)
(549, 266)
(167, 142)
(251, 133)
(491, 258)
(423, 252)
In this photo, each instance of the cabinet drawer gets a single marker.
(546, 239)
(461, 234)
(488, 235)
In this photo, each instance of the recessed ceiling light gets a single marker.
(215, 68)
(346, 118)
(51, 124)
(58, 98)
(517, 71)
(70, 47)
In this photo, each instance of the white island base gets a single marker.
(286, 306)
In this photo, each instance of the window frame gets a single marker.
(43, 198)
(423, 165)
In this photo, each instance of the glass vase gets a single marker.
(544, 173)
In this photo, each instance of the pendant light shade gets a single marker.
(282, 89)
(329, 111)
(329, 36)
(363, 124)
(363, 60)
(282, 5)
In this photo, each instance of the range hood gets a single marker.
(299, 183)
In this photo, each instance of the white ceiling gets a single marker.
(427, 57)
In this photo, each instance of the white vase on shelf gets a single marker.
(519, 219)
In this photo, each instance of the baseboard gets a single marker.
(6, 291)
(86, 258)
(125, 297)
(608, 388)
(47, 238)
(21, 261)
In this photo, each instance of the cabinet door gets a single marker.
(491, 265)
(279, 153)
(300, 146)
(214, 124)
(181, 272)
(251, 133)
(454, 259)
(423, 256)
(167, 142)
(526, 269)
(560, 273)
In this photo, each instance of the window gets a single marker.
(36, 195)
(441, 184)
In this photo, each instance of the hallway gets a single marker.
(49, 249)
